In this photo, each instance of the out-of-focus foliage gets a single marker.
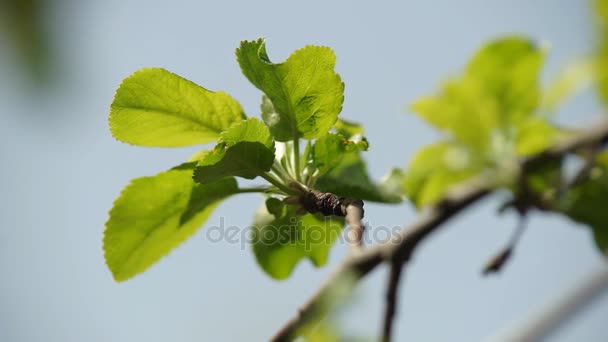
(495, 114)
(489, 116)
(23, 24)
(601, 9)
(586, 203)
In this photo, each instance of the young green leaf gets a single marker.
(434, 169)
(304, 93)
(499, 89)
(601, 57)
(154, 107)
(348, 128)
(244, 159)
(350, 179)
(155, 214)
(279, 243)
(246, 150)
(601, 9)
(508, 70)
(586, 203)
(575, 77)
(534, 135)
(252, 130)
(329, 150)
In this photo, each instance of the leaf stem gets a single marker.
(272, 180)
(280, 171)
(296, 157)
(253, 189)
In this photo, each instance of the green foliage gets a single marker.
(154, 107)
(585, 203)
(244, 159)
(489, 116)
(350, 179)
(155, 214)
(573, 78)
(281, 238)
(434, 168)
(304, 92)
(302, 99)
(329, 150)
(245, 150)
(601, 72)
(492, 117)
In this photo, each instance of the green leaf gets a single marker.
(279, 243)
(601, 9)
(246, 150)
(535, 135)
(304, 93)
(244, 159)
(350, 179)
(252, 130)
(462, 111)
(434, 169)
(348, 128)
(154, 107)
(155, 214)
(498, 89)
(572, 79)
(586, 203)
(329, 150)
(509, 70)
(601, 67)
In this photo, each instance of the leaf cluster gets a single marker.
(302, 98)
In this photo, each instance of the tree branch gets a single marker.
(354, 215)
(391, 299)
(403, 243)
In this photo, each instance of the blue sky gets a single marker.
(62, 170)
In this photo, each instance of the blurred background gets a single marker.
(62, 60)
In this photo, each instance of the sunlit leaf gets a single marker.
(509, 71)
(601, 9)
(154, 107)
(535, 135)
(601, 67)
(155, 214)
(279, 243)
(245, 150)
(348, 128)
(498, 89)
(463, 111)
(304, 93)
(571, 80)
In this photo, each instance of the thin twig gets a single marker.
(354, 217)
(496, 263)
(403, 243)
(391, 299)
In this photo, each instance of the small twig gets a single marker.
(391, 299)
(496, 263)
(354, 215)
